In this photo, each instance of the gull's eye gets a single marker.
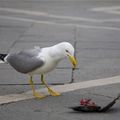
(67, 51)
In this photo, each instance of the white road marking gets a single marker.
(12, 10)
(61, 24)
(110, 9)
(26, 20)
(61, 88)
(45, 14)
(1, 62)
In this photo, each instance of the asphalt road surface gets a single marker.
(92, 26)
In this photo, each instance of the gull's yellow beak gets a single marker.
(72, 60)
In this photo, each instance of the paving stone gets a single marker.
(94, 35)
(8, 35)
(97, 58)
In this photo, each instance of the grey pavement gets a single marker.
(95, 36)
(52, 108)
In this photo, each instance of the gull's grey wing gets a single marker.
(31, 52)
(25, 61)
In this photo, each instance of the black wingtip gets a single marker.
(2, 56)
(118, 96)
(76, 108)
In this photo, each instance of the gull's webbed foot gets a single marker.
(53, 93)
(38, 95)
(35, 94)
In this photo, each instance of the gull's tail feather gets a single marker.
(2, 56)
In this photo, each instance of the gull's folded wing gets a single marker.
(25, 61)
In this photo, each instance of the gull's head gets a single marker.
(65, 49)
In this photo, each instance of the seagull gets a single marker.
(40, 61)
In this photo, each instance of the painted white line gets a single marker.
(75, 18)
(45, 14)
(61, 24)
(106, 8)
(61, 88)
(110, 9)
(26, 20)
(113, 9)
(23, 11)
(1, 62)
